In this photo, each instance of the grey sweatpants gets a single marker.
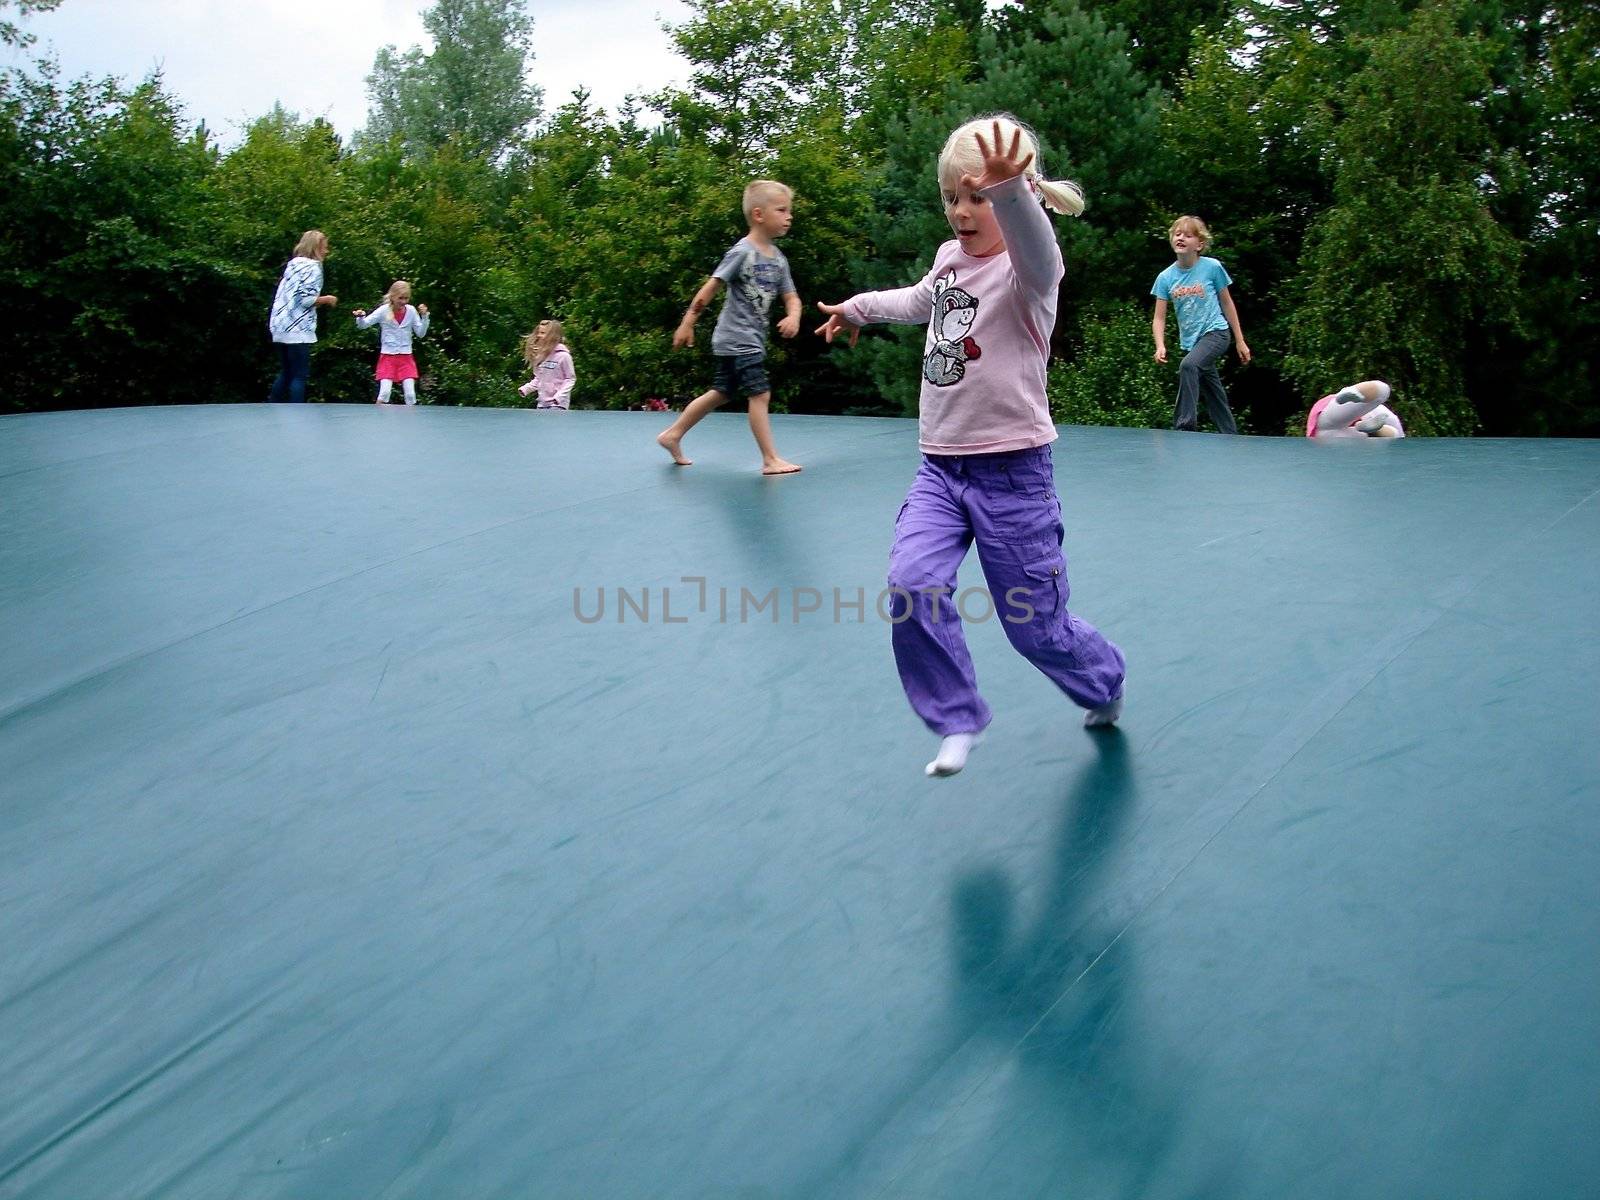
(1198, 373)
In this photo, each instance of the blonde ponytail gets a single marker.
(1061, 195)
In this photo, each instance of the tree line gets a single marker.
(1402, 189)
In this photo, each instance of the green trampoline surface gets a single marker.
(343, 854)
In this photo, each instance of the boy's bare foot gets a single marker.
(779, 466)
(670, 445)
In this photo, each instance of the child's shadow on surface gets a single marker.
(1094, 1097)
(771, 530)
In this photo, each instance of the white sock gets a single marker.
(410, 386)
(952, 756)
(1106, 714)
(385, 386)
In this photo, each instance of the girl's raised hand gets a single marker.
(358, 312)
(836, 324)
(1000, 163)
(422, 310)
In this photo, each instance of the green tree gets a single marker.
(1543, 116)
(1113, 380)
(472, 87)
(764, 72)
(1160, 32)
(102, 232)
(1408, 264)
(11, 34)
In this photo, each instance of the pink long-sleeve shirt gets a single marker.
(553, 380)
(989, 324)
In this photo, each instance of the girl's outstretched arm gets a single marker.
(1030, 240)
(897, 306)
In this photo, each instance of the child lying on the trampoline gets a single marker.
(1359, 410)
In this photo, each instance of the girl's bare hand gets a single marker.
(999, 163)
(836, 324)
(422, 310)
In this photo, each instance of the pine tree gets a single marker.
(472, 87)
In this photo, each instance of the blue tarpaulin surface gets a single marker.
(344, 853)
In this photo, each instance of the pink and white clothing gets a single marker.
(986, 476)
(553, 380)
(1349, 413)
(989, 324)
(395, 329)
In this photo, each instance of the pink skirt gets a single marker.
(396, 367)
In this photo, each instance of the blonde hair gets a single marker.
(1195, 226)
(961, 156)
(399, 294)
(535, 349)
(313, 243)
(761, 192)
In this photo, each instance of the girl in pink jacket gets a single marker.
(551, 364)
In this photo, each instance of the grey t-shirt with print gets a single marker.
(752, 279)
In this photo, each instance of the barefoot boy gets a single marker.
(754, 271)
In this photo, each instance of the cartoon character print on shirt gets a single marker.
(759, 281)
(954, 310)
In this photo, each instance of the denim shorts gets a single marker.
(741, 374)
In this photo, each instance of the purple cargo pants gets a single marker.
(1007, 503)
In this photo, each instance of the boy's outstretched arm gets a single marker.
(790, 324)
(684, 335)
(1231, 314)
(1158, 329)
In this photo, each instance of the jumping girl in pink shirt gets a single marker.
(985, 431)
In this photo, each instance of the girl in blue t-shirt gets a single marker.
(1198, 288)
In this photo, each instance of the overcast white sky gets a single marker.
(229, 61)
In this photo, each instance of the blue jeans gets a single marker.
(294, 370)
(1198, 376)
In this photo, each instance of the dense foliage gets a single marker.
(1400, 188)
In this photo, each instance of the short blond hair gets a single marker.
(313, 243)
(762, 192)
(1194, 225)
(961, 157)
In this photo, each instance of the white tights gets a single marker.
(1361, 406)
(386, 386)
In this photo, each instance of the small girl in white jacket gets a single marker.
(551, 364)
(398, 322)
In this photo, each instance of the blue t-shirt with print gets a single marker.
(1193, 295)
